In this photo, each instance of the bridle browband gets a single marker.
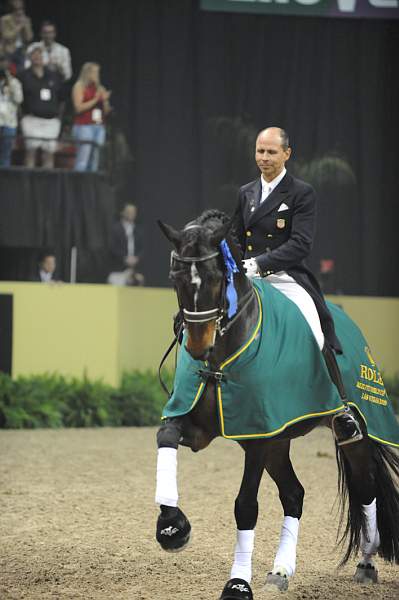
(219, 313)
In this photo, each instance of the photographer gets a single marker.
(10, 98)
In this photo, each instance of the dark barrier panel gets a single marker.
(6, 310)
(54, 209)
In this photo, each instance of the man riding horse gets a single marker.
(275, 224)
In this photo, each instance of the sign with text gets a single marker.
(380, 9)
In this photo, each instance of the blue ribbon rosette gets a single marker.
(231, 268)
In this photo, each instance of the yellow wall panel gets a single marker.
(103, 330)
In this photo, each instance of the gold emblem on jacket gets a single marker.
(280, 223)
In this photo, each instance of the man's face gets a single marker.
(49, 264)
(48, 34)
(17, 7)
(129, 213)
(270, 156)
(36, 58)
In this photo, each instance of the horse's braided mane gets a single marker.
(212, 214)
(215, 218)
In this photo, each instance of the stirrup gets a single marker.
(353, 432)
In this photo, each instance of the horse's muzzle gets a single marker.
(201, 355)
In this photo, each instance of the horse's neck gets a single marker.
(240, 331)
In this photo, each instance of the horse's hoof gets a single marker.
(366, 574)
(173, 529)
(237, 589)
(276, 581)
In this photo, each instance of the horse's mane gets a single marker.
(212, 214)
(214, 218)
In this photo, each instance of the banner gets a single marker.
(374, 9)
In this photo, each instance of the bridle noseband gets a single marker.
(218, 314)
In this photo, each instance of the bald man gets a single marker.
(275, 224)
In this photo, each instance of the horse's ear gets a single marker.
(172, 234)
(222, 232)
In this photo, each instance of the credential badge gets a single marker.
(280, 223)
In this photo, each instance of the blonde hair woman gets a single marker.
(91, 104)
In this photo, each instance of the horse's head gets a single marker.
(198, 273)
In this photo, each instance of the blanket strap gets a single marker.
(207, 374)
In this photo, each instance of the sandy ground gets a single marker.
(77, 520)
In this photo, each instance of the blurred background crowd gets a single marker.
(38, 101)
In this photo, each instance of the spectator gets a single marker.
(56, 57)
(42, 107)
(91, 104)
(15, 33)
(46, 268)
(10, 99)
(126, 249)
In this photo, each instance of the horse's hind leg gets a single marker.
(357, 479)
(291, 492)
(173, 528)
(246, 515)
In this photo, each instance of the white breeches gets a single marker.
(290, 288)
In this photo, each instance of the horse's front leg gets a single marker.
(173, 527)
(291, 492)
(246, 515)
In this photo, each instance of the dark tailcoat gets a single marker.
(118, 246)
(279, 234)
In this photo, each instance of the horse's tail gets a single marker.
(386, 472)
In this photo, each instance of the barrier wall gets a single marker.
(102, 330)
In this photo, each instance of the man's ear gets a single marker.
(172, 234)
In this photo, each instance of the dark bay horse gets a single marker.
(367, 469)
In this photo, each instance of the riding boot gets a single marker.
(345, 426)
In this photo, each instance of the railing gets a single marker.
(65, 153)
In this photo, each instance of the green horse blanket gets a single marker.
(279, 377)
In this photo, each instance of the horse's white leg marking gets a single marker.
(370, 538)
(166, 491)
(286, 554)
(242, 566)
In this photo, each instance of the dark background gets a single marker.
(191, 88)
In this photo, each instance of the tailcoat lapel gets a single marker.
(252, 199)
(274, 200)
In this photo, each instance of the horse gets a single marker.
(221, 310)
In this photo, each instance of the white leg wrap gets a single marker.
(286, 553)
(166, 492)
(242, 566)
(370, 538)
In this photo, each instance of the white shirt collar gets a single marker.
(45, 275)
(270, 185)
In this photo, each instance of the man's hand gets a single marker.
(251, 268)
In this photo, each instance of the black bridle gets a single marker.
(218, 313)
(204, 316)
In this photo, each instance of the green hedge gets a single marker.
(57, 401)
